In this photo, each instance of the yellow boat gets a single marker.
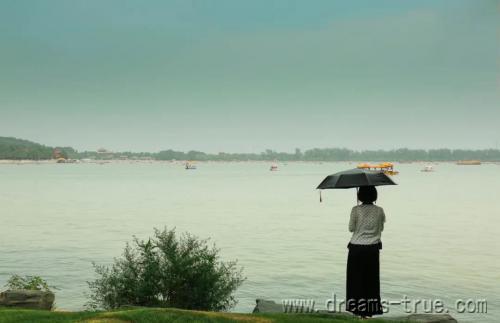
(387, 168)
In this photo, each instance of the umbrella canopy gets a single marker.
(355, 178)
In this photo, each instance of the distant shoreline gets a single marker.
(155, 161)
(19, 150)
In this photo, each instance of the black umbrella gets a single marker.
(355, 178)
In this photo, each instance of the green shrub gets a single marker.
(27, 282)
(167, 271)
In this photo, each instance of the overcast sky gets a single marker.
(243, 76)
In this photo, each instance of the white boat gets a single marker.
(428, 168)
(189, 165)
(273, 168)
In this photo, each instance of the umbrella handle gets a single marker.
(320, 198)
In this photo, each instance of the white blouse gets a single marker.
(366, 224)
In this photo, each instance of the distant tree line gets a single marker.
(12, 148)
(340, 154)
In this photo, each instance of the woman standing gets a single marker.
(363, 270)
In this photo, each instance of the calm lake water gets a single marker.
(441, 239)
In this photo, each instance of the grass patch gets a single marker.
(156, 315)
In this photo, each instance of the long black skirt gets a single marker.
(363, 280)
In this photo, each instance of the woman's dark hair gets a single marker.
(367, 194)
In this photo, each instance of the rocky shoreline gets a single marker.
(42, 300)
(31, 299)
(268, 306)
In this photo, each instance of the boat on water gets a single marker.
(273, 168)
(189, 165)
(66, 161)
(387, 168)
(469, 162)
(87, 160)
(427, 168)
